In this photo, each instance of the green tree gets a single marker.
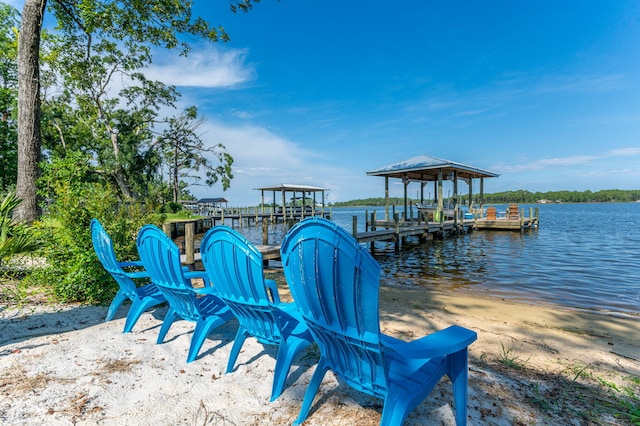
(131, 23)
(8, 95)
(184, 153)
(73, 271)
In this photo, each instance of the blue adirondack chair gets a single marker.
(335, 283)
(161, 258)
(235, 267)
(142, 298)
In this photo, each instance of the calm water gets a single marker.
(582, 255)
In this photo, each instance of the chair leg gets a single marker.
(286, 352)
(202, 330)
(115, 304)
(166, 325)
(395, 411)
(312, 389)
(135, 311)
(458, 372)
(241, 336)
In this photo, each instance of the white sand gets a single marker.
(65, 365)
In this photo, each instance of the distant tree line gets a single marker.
(371, 202)
(523, 196)
(520, 196)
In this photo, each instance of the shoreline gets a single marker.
(531, 364)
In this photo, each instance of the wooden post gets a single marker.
(455, 198)
(405, 182)
(189, 243)
(373, 228)
(440, 208)
(313, 209)
(386, 198)
(396, 228)
(265, 231)
(470, 202)
(366, 221)
(397, 231)
(531, 216)
(166, 228)
(481, 193)
(354, 226)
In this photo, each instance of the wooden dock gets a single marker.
(396, 230)
(514, 222)
(248, 215)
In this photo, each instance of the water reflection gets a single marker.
(583, 255)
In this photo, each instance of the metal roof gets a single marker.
(212, 200)
(425, 168)
(293, 188)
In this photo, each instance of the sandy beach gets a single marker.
(531, 365)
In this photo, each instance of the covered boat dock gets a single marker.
(432, 218)
(303, 202)
(424, 170)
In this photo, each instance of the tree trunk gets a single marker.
(176, 182)
(117, 173)
(29, 138)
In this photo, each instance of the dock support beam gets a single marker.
(386, 198)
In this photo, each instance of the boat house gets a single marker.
(424, 170)
(307, 195)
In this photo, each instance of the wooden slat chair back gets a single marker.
(491, 213)
(513, 212)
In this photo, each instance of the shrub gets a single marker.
(174, 207)
(74, 272)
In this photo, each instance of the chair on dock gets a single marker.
(491, 213)
(513, 212)
(161, 258)
(142, 298)
(234, 265)
(335, 283)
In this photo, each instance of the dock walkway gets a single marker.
(395, 231)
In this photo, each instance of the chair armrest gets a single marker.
(205, 290)
(135, 263)
(272, 288)
(197, 274)
(138, 274)
(444, 342)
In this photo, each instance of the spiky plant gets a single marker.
(14, 237)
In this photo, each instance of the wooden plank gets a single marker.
(506, 224)
(378, 235)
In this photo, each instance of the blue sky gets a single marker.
(319, 92)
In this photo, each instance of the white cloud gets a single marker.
(207, 66)
(262, 158)
(577, 160)
(625, 152)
